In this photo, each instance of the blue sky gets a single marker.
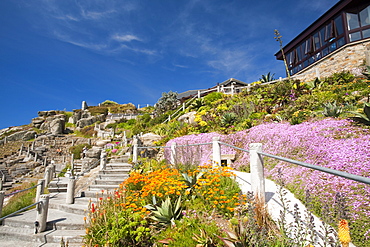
(54, 54)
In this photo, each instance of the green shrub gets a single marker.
(192, 230)
(77, 150)
(109, 102)
(88, 131)
(119, 228)
(97, 110)
(212, 97)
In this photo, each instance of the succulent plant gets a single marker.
(362, 118)
(167, 213)
(332, 109)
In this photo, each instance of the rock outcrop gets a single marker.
(50, 121)
(188, 118)
(84, 118)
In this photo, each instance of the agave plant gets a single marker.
(362, 118)
(268, 77)
(167, 213)
(198, 103)
(332, 109)
(228, 119)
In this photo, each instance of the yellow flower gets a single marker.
(203, 123)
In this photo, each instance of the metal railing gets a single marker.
(19, 191)
(19, 211)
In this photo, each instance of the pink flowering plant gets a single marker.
(331, 143)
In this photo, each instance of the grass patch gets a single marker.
(20, 200)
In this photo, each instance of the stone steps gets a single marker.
(64, 221)
(58, 185)
(109, 179)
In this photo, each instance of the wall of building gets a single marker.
(349, 58)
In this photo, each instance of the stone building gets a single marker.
(339, 40)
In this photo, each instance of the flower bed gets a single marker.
(331, 143)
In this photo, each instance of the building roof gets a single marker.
(189, 93)
(232, 80)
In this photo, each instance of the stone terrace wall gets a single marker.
(349, 58)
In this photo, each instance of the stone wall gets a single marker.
(347, 58)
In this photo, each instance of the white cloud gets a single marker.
(96, 15)
(88, 45)
(125, 37)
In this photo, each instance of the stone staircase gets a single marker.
(8, 182)
(64, 220)
(110, 178)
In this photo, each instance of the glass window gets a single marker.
(289, 58)
(354, 36)
(352, 21)
(325, 51)
(305, 63)
(365, 16)
(309, 46)
(341, 42)
(332, 47)
(311, 60)
(303, 50)
(316, 40)
(322, 36)
(339, 25)
(329, 32)
(366, 33)
(299, 53)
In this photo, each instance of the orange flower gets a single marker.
(343, 233)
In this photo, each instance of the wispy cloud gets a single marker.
(125, 37)
(80, 43)
(96, 15)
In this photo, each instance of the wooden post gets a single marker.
(1, 185)
(71, 191)
(40, 189)
(173, 153)
(257, 173)
(216, 148)
(42, 214)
